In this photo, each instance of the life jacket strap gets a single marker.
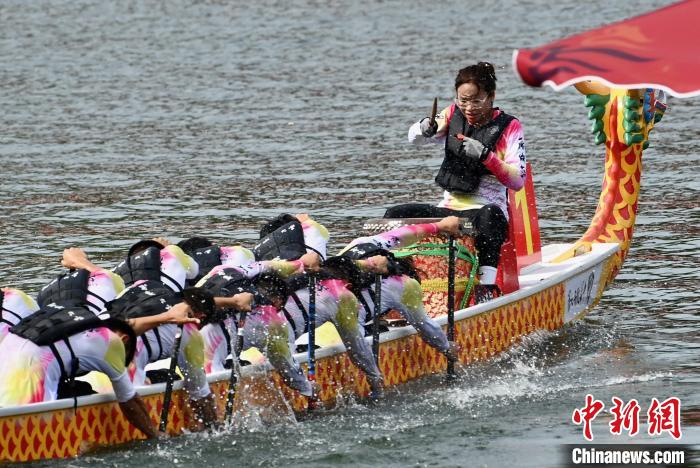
(70, 375)
(317, 252)
(172, 280)
(369, 314)
(289, 318)
(156, 332)
(12, 313)
(227, 335)
(95, 307)
(55, 352)
(147, 345)
(302, 309)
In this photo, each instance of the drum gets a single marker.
(430, 257)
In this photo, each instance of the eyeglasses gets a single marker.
(471, 102)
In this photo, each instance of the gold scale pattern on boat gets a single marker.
(65, 433)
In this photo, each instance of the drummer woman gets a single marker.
(484, 155)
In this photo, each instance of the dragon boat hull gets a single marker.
(551, 295)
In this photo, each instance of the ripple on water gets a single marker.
(127, 121)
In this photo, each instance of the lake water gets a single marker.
(126, 120)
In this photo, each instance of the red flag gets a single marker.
(655, 50)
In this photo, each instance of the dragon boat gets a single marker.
(545, 287)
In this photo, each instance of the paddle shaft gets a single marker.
(451, 302)
(377, 312)
(167, 398)
(312, 327)
(237, 345)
